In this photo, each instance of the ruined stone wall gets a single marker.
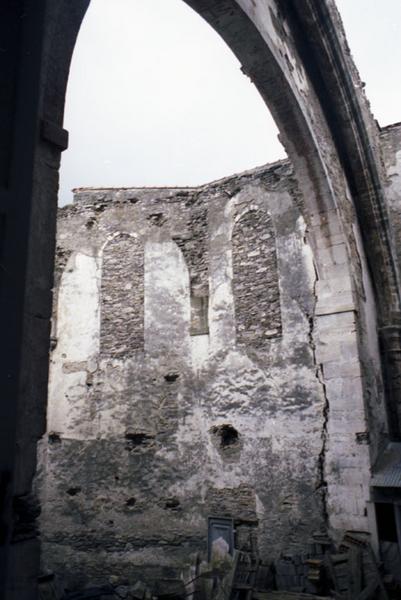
(122, 297)
(296, 55)
(255, 279)
(221, 411)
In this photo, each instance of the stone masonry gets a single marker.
(161, 423)
(255, 279)
(205, 365)
(122, 296)
(157, 421)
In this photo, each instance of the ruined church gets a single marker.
(203, 381)
(225, 360)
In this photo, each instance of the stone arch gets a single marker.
(298, 60)
(122, 297)
(296, 57)
(255, 279)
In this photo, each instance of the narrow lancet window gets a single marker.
(122, 297)
(255, 279)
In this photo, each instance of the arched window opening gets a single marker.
(255, 280)
(195, 248)
(122, 297)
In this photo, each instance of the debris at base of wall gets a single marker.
(354, 570)
(49, 587)
(94, 593)
(349, 572)
(286, 596)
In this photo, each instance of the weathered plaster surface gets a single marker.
(297, 56)
(75, 354)
(135, 459)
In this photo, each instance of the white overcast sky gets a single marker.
(155, 97)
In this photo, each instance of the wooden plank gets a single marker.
(369, 593)
(287, 596)
(355, 572)
(383, 593)
(242, 586)
(232, 573)
(330, 567)
(339, 558)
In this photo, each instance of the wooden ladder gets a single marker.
(245, 570)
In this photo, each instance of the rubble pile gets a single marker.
(349, 572)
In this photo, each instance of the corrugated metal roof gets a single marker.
(387, 472)
(389, 478)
